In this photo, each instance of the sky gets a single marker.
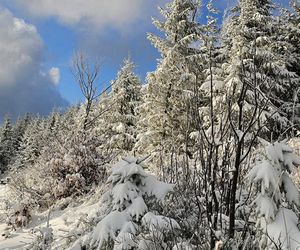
(39, 37)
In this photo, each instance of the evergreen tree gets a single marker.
(289, 46)
(19, 130)
(29, 148)
(131, 222)
(256, 68)
(122, 117)
(276, 196)
(6, 145)
(257, 82)
(165, 113)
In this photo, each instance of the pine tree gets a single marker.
(165, 112)
(19, 130)
(257, 80)
(256, 68)
(277, 195)
(6, 145)
(121, 120)
(29, 148)
(288, 45)
(131, 222)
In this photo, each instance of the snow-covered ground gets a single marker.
(18, 239)
(61, 221)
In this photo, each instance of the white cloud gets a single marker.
(98, 13)
(20, 47)
(54, 74)
(23, 88)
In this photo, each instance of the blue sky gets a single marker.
(40, 37)
(110, 45)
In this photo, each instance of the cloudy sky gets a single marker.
(39, 37)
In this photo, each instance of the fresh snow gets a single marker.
(130, 186)
(159, 222)
(137, 208)
(266, 173)
(62, 222)
(284, 230)
(109, 226)
(152, 186)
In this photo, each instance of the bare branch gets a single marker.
(86, 73)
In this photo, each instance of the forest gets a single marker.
(203, 154)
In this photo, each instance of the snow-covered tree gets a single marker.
(277, 196)
(29, 148)
(211, 134)
(256, 82)
(71, 164)
(131, 224)
(257, 68)
(120, 122)
(166, 110)
(19, 130)
(289, 39)
(7, 145)
(53, 123)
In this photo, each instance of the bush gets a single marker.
(131, 222)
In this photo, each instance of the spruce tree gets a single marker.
(6, 145)
(256, 67)
(121, 120)
(29, 148)
(165, 112)
(277, 196)
(289, 46)
(257, 82)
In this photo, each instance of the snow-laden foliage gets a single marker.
(6, 145)
(260, 60)
(218, 88)
(29, 146)
(166, 103)
(19, 213)
(56, 160)
(121, 118)
(277, 195)
(43, 239)
(74, 167)
(284, 230)
(131, 224)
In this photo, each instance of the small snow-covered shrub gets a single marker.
(131, 224)
(43, 239)
(74, 166)
(189, 211)
(19, 214)
(277, 196)
(66, 168)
